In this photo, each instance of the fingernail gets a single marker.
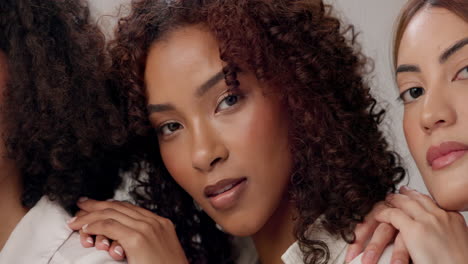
(369, 256)
(118, 250)
(90, 240)
(105, 242)
(84, 228)
(71, 220)
(397, 262)
(83, 199)
(110, 200)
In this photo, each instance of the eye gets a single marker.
(462, 75)
(411, 94)
(169, 128)
(228, 101)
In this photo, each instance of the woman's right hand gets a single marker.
(431, 234)
(144, 236)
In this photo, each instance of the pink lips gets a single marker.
(225, 193)
(445, 154)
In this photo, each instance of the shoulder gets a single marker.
(384, 259)
(71, 252)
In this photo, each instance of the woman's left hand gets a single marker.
(144, 236)
(431, 234)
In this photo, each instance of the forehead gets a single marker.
(186, 58)
(430, 32)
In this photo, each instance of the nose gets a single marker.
(208, 149)
(437, 111)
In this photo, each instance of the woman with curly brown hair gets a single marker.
(59, 129)
(250, 117)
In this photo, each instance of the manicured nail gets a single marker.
(71, 220)
(90, 240)
(110, 200)
(84, 228)
(118, 250)
(397, 261)
(83, 199)
(106, 242)
(369, 256)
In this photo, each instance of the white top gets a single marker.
(337, 247)
(43, 237)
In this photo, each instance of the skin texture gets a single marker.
(438, 115)
(297, 51)
(435, 112)
(217, 140)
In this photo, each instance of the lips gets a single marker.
(222, 186)
(441, 156)
(225, 193)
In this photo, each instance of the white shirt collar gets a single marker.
(336, 246)
(38, 235)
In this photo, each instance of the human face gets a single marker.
(432, 76)
(227, 148)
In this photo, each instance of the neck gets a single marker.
(10, 199)
(276, 235)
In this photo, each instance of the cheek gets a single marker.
(178, 163)
(413, 133)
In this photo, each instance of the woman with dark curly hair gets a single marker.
(251, 117)
(59, 129)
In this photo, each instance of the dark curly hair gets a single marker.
(342, 165)
(61, 128)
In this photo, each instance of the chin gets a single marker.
(247, 226)
(452, 200)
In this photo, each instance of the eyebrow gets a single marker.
(157, 108)
(452, 50)
(209, 84)
(407, 68)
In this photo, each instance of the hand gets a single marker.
(379, 236)
(100, 242)
(145, 237)
(431, 234)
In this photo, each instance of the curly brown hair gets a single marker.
(61, 128)
(342, 165)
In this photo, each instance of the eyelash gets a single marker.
(459, 72)
(230, 93)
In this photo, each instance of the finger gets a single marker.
(143, 225)
(93, 206)
(119, 232)
(140, 210)
(116, 251)
(102, 243)
(426, 201)
(364, 232)
(400, 254)
(383, 235)
(395, 217)
(86, 240)
(410, 207)
(81, 213)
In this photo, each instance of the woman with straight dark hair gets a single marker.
(431, 68)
